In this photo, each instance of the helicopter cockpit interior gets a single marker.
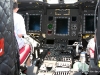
(62, 29)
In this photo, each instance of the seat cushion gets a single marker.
(24, 52)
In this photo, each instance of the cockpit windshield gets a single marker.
(64, 1)
(52, 1)
(70, 1)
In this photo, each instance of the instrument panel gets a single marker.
(59, 22)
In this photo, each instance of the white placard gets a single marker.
(62, 69)
(70, 1)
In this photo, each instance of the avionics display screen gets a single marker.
(89, 23)
(34, 22)
(61, 25)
